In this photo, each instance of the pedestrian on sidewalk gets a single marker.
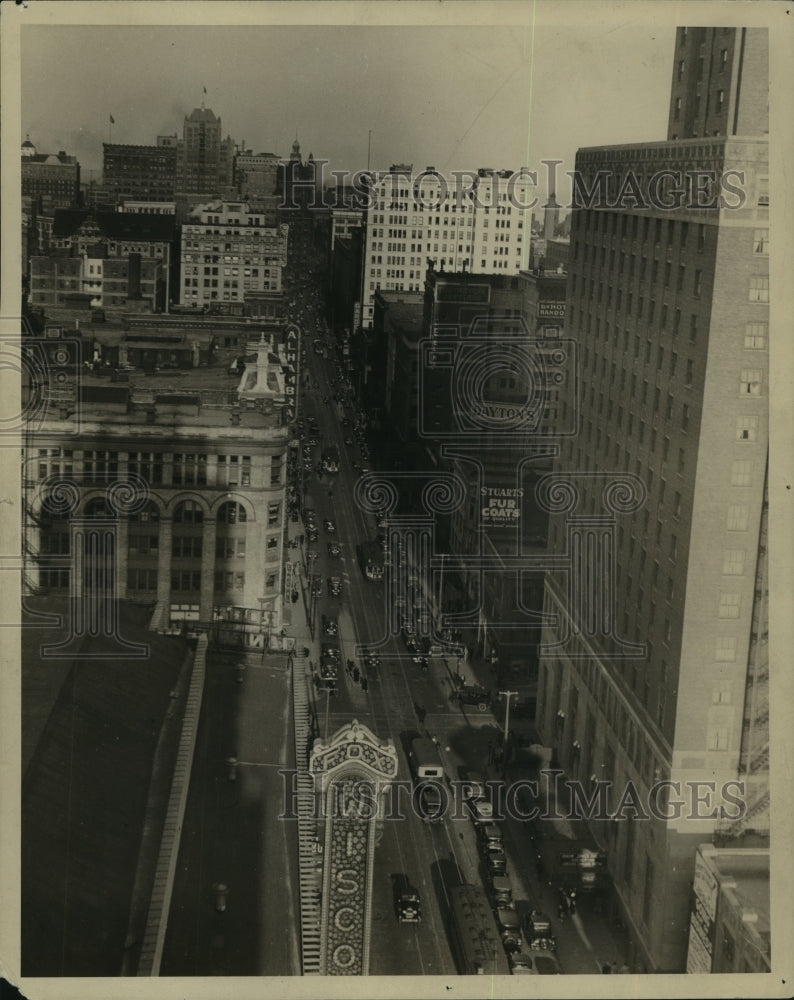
(364, 684)
(624, 970)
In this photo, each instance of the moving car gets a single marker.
(330, 626)
(335, 586)
(330, 650)
(538, 933)
(409, 907)
(430, 801)
(329, 526)
(329, 667)
(334, 549)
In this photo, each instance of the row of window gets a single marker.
(187, 469)
(186, 512)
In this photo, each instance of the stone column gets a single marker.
(208, 569)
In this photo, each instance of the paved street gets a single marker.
(403, 701)
(232, 833)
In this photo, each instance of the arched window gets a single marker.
(232, 513)
(150, 512)
(98, 507)
(188, 512)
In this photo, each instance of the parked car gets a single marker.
(480, 810)
(546, 963)
(475, 787)
(472, 694)
(509, 929)
(490, 835)
(496, 861)
(317, 585)
(521, 964)
(502, 892)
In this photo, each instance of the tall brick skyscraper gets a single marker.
(660, 670)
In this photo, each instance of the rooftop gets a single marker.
(202, 115)
(114, 225)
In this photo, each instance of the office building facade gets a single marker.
(659, 627)
(476, 221)
(228, 252)
(199, 524)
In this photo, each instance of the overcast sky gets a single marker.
(456, 97)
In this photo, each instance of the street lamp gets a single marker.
(508, 695)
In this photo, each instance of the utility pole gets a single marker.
(508, 695)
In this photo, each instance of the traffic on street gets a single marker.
(405, 694)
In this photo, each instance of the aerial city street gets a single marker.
(395, 568)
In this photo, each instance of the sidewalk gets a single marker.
(590, 939)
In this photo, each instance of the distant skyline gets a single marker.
(456, 97)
